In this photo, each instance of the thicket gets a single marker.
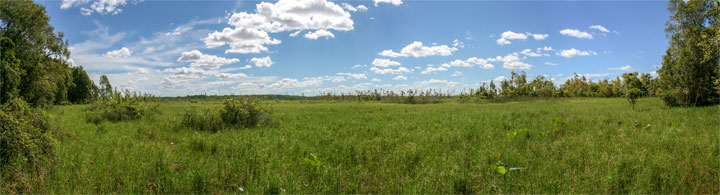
(27, 148)
(125, 106)
(236, 112)
(690, 73)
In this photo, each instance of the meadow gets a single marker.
(588, 145)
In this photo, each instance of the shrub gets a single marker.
(632, 95)
(244, 112)
(209, 121)
(116, 111)
(26, 146)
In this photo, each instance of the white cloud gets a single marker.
(458, 44)
(400, 78)
(624, 68)
(241, 40)
(551, 64)
(540, 36)
(571, 53)
(511, 61)
(262, 62)
(433, 69)
(506, 36)
(416, 49)
(576, 33)
(295, 34)
(375, 80)
(450, 84)
(120, 53)
(500, 78)
(103, 7)
(294, 83)
(600, 28)
(394, 2)
(353, 75)
(187, 71)
(250, 32)
(200, 60)
(384, 62)
(319, 33)
(483, 63)
(358, 66)
(231, 75)
(360, 8)
(654, 74)
(389, 70)
(457, 74)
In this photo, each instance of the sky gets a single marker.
(311, 47)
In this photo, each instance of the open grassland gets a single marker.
(589, 145)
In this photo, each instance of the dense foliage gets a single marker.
(34, 59)
(26, 147)
(245, 112)
(689, 74)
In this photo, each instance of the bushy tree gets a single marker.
(10, 71)
(81, 90)
(41, 53)
(691, 60)
(106, 89)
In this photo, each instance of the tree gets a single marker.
(81, 90)
(42, 53)
(690, 61)
(106, 89)
(632, 95)
(10, 71)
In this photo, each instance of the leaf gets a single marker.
(511, 134)
(501, 170)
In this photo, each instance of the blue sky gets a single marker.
(172, 48)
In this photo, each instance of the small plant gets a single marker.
(499, 169)
(632, 95)
(312, 161)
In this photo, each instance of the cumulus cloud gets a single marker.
(250, 32)
(353, 75)
(624, 68)
(416, 49)
(230, 75)
(120, 53)
(359, 8)
(187, 71)
(511, 61)
(319, 33)
(200, 60)
(576, 33)
(400, 78)
(436, 81)
(384, 62)
(262, 62)
(571, 53)
(600, 28)
(457, 74)
(432, 69)
(551, 64)
(506, 36)
(294, 83)
(394, 2)
(500, 79)
(103, 7)
(389, 70)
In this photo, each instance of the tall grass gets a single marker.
(589, 145)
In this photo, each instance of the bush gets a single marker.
(209, 121)
(26, 147)
(244, 112)
(116, 111)
(240, 112)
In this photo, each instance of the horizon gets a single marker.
(227, 47)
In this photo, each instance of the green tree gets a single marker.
(10, 72)
(106, 89)
(690, 61)
(41, 52)
(81, 90)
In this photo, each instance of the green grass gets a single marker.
(394, 148)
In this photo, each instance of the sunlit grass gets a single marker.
(589, 145)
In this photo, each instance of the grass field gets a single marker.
(589, 145)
